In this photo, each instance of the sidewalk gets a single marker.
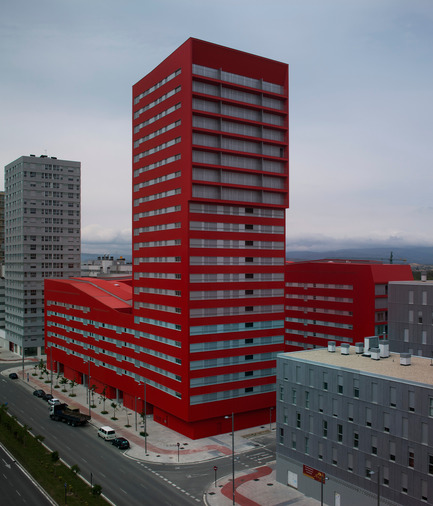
(253, 487)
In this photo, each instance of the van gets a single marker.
(106, 433)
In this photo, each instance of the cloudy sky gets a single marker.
(361, 103)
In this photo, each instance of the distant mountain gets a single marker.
(410, 254)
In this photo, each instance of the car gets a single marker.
(13, 376)
(52, 401)
(47, 397)
(121, 443)
(39, 393)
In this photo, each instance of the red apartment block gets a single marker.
(210, 188)
(337, 300)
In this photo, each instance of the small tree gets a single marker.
(57, 380)
(63, 382)
(115, 407)
(97, 489)
(46, 372)
(92, 393)
(35, 373)
(103, 398)
(72, 384)
(41, 367)
(127, 417)
(75, 469)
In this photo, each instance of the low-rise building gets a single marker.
(362, 425)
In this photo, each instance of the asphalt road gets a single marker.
(16, 487)
(124, 481)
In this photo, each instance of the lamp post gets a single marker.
(88, 388)
(51, 367)
(378, 483)
(178, 448)
(145, 419)
(233, 456)
(323, 480)
(270, 417)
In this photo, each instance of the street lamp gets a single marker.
(323, 479)
(88, 388)
(145, 419)
(378, 483)
(233, 456)
(270, 417)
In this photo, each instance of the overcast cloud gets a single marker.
(361, 103)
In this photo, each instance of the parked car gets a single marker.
(121, 443)
(39, 393)
(13, 376)
(52, 401)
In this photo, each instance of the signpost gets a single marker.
(315, 475)
(215, 468)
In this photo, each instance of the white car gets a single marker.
(53, 402)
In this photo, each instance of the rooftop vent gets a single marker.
(331, 346)
(345, 348)
(423, 276)
(370, 343)
(32, 155)
(384, 349)
(405, 358)
(375, 353)
(359, 348)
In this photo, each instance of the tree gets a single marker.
(115, 407)
(92, 393)
(63, 382)
(103, 398)
(57, 380)
(127, 417)
(72, 383)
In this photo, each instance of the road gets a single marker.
(123, 480)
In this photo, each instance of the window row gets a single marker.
(238, 161)
(157, 212)
(155, 133)
(238, 178)
(233, 311)
(238, 194)
(159, 163)
(160, 99)
(235, 343)
(231, 244)
(233, 360)
(156, 180)
(162, 146)
(234, 376)
(155, 244)
(246, 113)
(222, 142)
(234, 277)
(235, 294)
(223, 328)
(205, 260)
(156, 196)
(157, 117)
(156, 228)
(213, 226)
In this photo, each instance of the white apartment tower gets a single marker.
(42, 240)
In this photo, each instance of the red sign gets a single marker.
(314, 473)
(215, 468)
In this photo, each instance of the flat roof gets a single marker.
(419, 371)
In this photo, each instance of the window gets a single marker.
(293, 441)
(430, 464)
(334, 456)
(321, 403)
(403, 483)
(340, 384)
(350, 411)
(368, 417)
(298, 420)
(374, 445)
(281, 435)
(281, 393)
(340, 433)
(386, 422)
(392, 397)
(293, 396)
(419, 316)
(334, 407)
(286, 416)
(411, 398)
(411, 458)
(356, 388)
(320, 451)
(374, 392)
(307, 445)
(356, 440)
(350, 462)
(392, 451)
(325, 428)
(307, 399)
(325, 381)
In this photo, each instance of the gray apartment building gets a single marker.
(410, 314)
(42, 240)
(361, 425)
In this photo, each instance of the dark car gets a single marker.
(39, 393)
(13, 376)
(121, 443)
(47, 397)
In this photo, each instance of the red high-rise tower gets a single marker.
(210, 188)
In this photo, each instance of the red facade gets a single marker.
(337, 300)
(210, 188)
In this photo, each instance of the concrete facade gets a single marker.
(42, 240)
(411, 317)
(347, 416)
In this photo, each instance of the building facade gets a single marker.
(411, 317)
(42, 240)
(106, 265)
(363, 426)
(337, 300)
(210, 189)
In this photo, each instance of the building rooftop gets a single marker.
(419, 371)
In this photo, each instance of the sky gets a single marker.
(361, 104)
